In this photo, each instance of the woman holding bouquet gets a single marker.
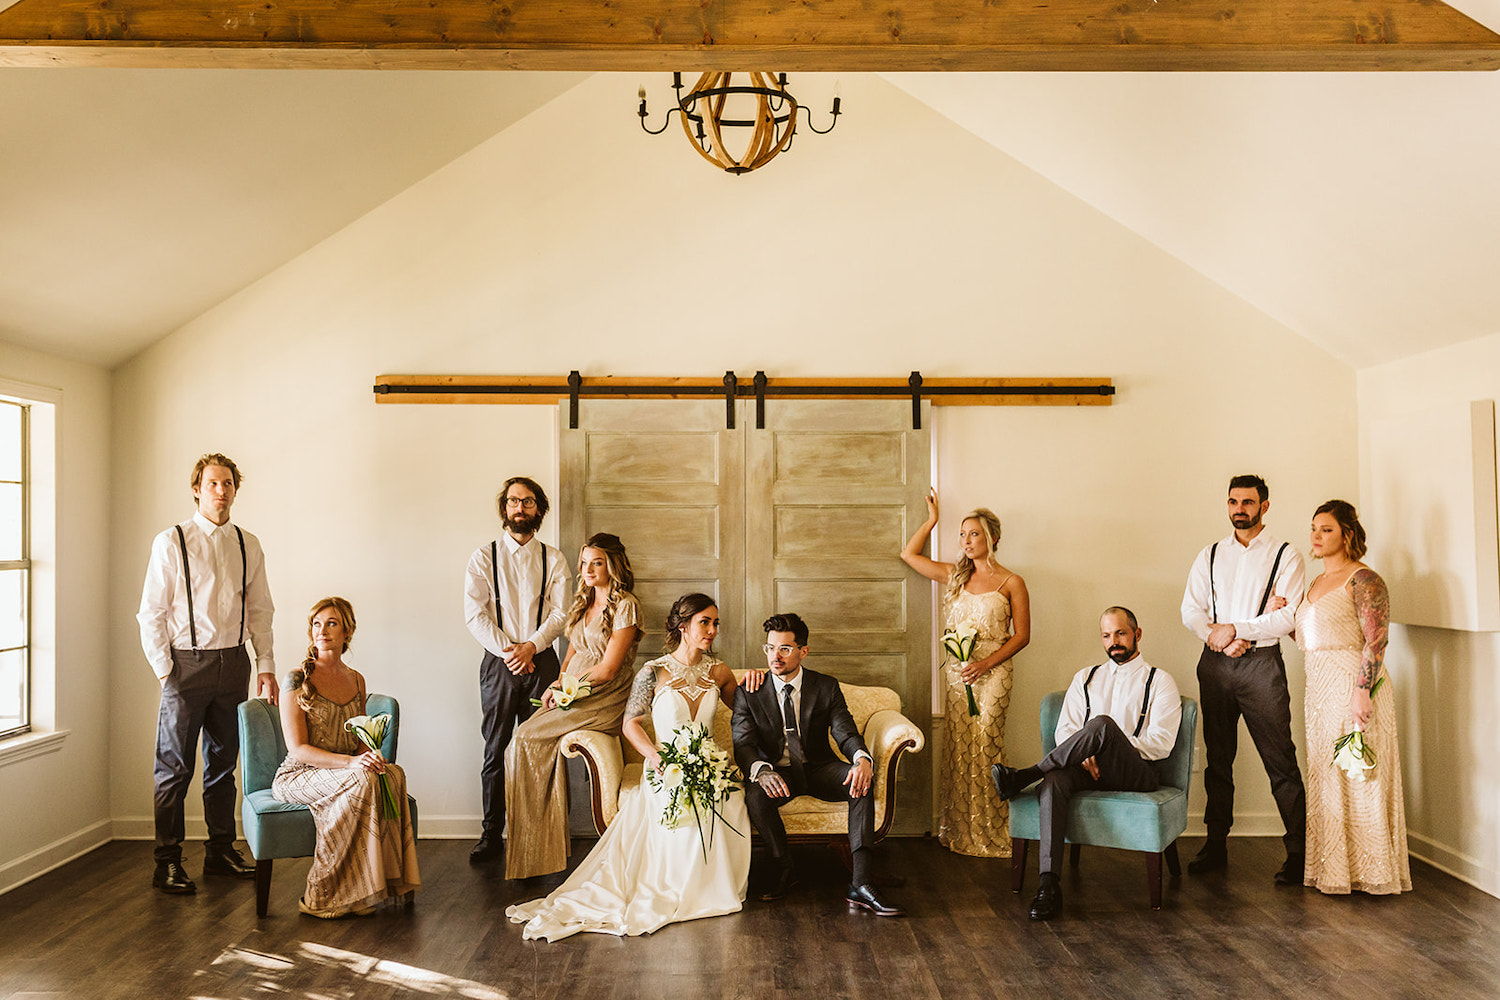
(363, 855)
(603, 632)
(644, 874)
(983, 596)
(1356, 820)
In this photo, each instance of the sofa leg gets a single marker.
(262, 885)
(1173, 865)
(1018, 863)
(1153, 878)
(1075, 851)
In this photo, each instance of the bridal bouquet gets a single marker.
(568, 689)
(697, 776)
(370, 730)
(1352, 754)
(959, 643)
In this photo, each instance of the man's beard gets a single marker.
(1121, 655)
(1249, 522)
(524, 524)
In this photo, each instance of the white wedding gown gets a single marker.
(641, 876)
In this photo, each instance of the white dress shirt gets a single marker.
(214, 561)
(1239, 583)
(1117, 691)
(521, 587)
(780, 686)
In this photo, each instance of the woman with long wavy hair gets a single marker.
(981, 593)
(362, 856)
(603, 630)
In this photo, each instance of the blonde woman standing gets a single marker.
(603, 629)
(361, 857)
(982, 593)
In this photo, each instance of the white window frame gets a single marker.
(23, 564)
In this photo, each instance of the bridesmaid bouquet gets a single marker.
(568, 689)
(1352, 753)
(371, 730)
(959, 643)
(697, 776)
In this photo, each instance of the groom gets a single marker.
(781, 745)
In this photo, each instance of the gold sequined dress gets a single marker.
(536, 775)
(1356, 829)
(360, 857)
(972, 819)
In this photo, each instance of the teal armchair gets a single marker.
(1149, 822)
(275, 829)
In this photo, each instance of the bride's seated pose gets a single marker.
(643, 873)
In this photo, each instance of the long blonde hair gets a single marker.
(300, 679)
(621, 580)
(963, 567)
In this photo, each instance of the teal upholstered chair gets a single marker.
(1134, 821)
(284, 829)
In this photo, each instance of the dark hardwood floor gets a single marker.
(96, 929)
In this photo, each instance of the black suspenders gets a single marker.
(1213, 598)
(1088, 708)
(187, 576)
(541, 597)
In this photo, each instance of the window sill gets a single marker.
(28, 745)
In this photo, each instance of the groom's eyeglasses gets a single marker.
(783, 650)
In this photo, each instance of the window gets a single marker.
(15, 568)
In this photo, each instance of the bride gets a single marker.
(642, 875)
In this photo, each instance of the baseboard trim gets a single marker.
(39, 862)
(429, 828)
(1461, 866)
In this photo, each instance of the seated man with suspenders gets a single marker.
(1116, 718)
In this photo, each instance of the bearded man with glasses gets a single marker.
(515, 603)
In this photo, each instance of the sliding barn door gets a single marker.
(832, 491)
(668, 478)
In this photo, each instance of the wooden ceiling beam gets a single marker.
(779, 35)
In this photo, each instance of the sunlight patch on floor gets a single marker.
(331, 974)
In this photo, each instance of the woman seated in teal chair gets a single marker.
(362, 856)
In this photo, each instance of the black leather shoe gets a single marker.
(1291, 870)
(172, 878)
(784, 882)
(486, 850)
(1213, 858)
(1008, 781)
(864, 897)
(1048, 901)
(228, 862)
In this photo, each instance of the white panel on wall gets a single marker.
(1432, 516)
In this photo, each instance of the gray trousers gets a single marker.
(201, 695)
(823, 780)
(1254, 687)
(1121, 769)
(505, 699)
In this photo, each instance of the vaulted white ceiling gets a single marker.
(1361, 210)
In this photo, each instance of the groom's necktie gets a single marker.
(793, 738)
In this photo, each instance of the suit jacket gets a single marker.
(758, 732)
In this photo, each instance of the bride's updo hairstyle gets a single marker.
(300, 679)
(1344, 513)
(621, 579)
(963, 568)
(683, 610)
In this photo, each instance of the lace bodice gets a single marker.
(670, 708)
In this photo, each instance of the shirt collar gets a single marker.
(205, 525)
(511, 545)
(795, 683)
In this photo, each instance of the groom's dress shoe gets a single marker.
(1213, 858)
(1008, 781)
(228, 862)
(865, 898)
(170, 877)
(1048, 901)
(783, 883)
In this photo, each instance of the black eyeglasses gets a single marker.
(528, 503)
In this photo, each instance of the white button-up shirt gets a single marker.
(214, 561)
(1117, 691)
(521, 587)
(1239, 583)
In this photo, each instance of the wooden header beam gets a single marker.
(779, 35)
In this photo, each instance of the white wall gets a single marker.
(899, 242)
(1446, 681)
(57, 803)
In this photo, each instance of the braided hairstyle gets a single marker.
(963, 568)
(621, 579)
(300, 679)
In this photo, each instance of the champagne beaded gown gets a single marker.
(1356, 827)
(361, 857)
(972, 818)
